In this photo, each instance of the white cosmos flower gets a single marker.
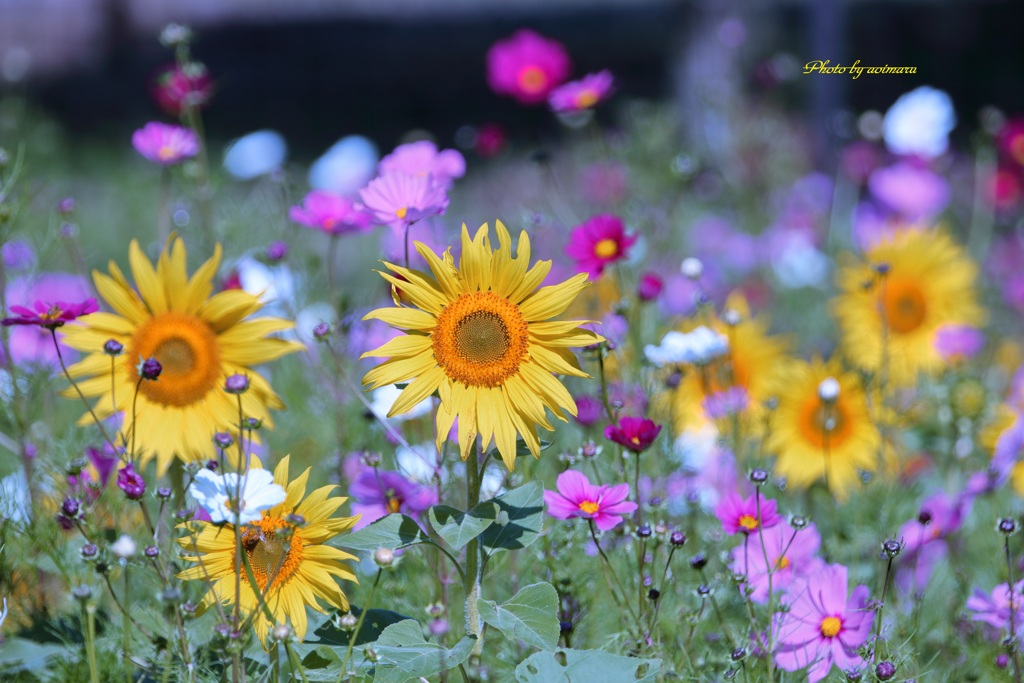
(216, 494)
(698, 347)
(919, 123)
(255, 154)
(124, 547)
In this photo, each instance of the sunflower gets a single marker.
(476, 337)
(199, 340)
(299, 567)
(909, 286)
(815, 428)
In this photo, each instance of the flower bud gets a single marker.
(81, 593)
(828, 390)
(163, 493)
(698, 561)
(66, 205)
(281, 632)
(644, 531)
(75, 467)
(348, 622)
(653, 594)
(321, 331)
(758, 477)
(70, 508)
(678, 539)
(885, 670)
(892, 548)
(223, 440)
(692, 268)
(798, 522)
(853, 675)
(236, 384)
(89, 551)
(738, 654)
(174, 34)
(703, 590)
(1006, 526)
(384, 557)
(150, 369)
(252, 423)
(151, 551)
(113, 348)
(131, 482)
(277, 251)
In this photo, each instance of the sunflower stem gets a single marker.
(359, 625)
(472, 576)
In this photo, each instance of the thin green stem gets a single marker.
(881, 606)
(769, 570)
(471, 578)
(1013, 646)
(610, 571)
(293, 659)
(89, 612)
(64, 368)
(359, 624)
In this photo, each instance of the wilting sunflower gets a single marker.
(199, 340)
(909, 285)
(293, 558)
(476, 337)
(821, 425)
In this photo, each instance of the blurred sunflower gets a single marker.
(199, 340)
(822, 422)
(476, 337)
(294, 559)
(909, 286)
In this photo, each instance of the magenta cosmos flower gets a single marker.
(527, 66)
(598, 242)
(377, 493)
(635, 433)
(994, 609)
(739, 516)
(165, 144)
(399, 199)
(50, 315)
(823, 628)
(177, 88)
(583, 94)
(576, 497)
(792, 555)
(423, 158)
(330, 213)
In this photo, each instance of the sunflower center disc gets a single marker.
(904, 306)
(176, 356)
(480, 339)
(188, 352)
(265, 549)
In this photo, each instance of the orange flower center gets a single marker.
(589, 506)
(188, 352)
(480, 339)
(1017, 148)
(401, 213)
(52, 314)
(781, 563)
(606, 248)
(903, 305)
(274, 551)
(586, 99)
(393, 505)
(166, 152)
(831, 626)
(748, 522)
(329, 223)
(532, 79)
(820, 422)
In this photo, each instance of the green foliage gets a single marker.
(403, 654)
(587, 666)
(393, 531)
(519, 519)
(530, 616)
(329, 633)
(458, 528)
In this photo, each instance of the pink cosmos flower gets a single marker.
(588, 410)
(1011, 140)
(925, 539)
(165, 144)
(178, 87)
(399, 199)
(377, 493)
(527, 66)
(50, 315)
(576, 497)
(823, 628)
(635, 433)
(739, 515)
(423, 158)
(725, 403)
(649, 287)
(330, 212)
(598, 242)
(792, 554)
(914, 192)
(994, 609)
(583, 94)
(958, 342)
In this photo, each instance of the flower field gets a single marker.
(620, 407)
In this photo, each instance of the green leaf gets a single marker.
(531, 615)
(322, 662)
(19, 654)
(522, 450)
(519, 520)
(404, 655)
(391, 532)
(589, 666)
(458, 528)
(329, 633)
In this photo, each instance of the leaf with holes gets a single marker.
(573, 666)
(458, 528)
(520, 517)
(531, 615)
(404, 655)
(393, 531)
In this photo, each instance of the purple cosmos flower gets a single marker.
(912, 191)
(588, 410)
(725, 403)
(583, 94)
(798, 561)
(422, 158)
(924, 539)
(399, 199)
(527, 66)
(377, 493)
(165, 144)
(131, 482)
(330, 213)
(635, 433)
(823, 628)
(50, 315)
(739, 515)
(958, 342)
(994, 609)
(18, 255)
(576, 498)
(598, 242)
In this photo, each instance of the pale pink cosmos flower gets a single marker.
(330, 213)
(994, 609)
(958, 342)
(583, 94)
(823, 628)
(792, 555)
(165, 144)
(399, 199)
(423, 158)
(739, 515)
(576, 498)
(527, 66)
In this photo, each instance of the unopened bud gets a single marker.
(384, 557)
(692, 268)
(828, 390)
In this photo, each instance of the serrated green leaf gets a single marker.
(458, 528)
(404, 655)
(328, 633)
(531, 615)
(591, 666)
(392, 532)
(519, 521)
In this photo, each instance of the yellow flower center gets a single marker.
(606, 248)
(52, 314)
(1017, 148)
(401, 213)
(589, 506)
(820, 421)
(166, 152)
(586, 99)
(748, 522)
(532, 79)
(903, 305)
(831, 626)
(781, 563)
(188, 352)
(480, 339)
(271, 553)
(393, 505)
